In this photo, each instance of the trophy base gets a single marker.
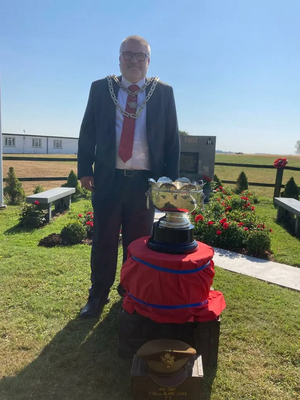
(172, 241)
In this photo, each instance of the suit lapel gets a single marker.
(109, 122)
(150, 118)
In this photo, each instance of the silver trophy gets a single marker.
(173, 233)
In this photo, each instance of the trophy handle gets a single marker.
(147, 194)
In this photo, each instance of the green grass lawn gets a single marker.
(47, 352)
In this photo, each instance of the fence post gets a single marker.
(278, 182)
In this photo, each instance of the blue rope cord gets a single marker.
(171, 271)
(203, 303)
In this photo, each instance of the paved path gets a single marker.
(279, 274)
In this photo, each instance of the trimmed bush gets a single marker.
(73, 182)
(218, 182)
(13, 192)
(73, 233)
(242, 182)
(258, 242)
(38, 189)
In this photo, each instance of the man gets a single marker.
(129, 133)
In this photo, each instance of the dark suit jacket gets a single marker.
(97, 139)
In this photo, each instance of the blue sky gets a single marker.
(234, 64)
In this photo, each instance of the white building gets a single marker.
(23, 143)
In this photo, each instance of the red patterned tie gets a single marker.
(127, 136)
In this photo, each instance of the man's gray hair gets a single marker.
(137, 39)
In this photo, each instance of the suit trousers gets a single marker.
(124, 207)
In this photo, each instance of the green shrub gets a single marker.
(258, 242)
(13, 192)
(73, 233)
(291, 190)
(32, 216)
(230, 236)
(242, 182)
(73, 182)
(217, 181)
(38, 189)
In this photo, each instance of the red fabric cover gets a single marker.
(162, 288)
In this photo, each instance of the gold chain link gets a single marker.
(152, 80)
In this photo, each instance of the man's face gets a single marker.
(134, 70)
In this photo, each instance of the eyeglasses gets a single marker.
(128, 55)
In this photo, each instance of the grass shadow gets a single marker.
(208, 380)
(19, 229)
(80, 362)
(288, 223)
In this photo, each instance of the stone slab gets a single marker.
(272, 272)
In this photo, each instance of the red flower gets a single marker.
(244, 198)
(246, 229)
(90, 223)
(228, 208)
(240, 223)
(210, 223)
(36, 202)
(280, 162)
(80, 215)
(199, 218)
(252, 208)
(225, 226)
(89, 213)
(223, 220)
(271, 230)
(220, 187)
(219, 232)
(206, 178)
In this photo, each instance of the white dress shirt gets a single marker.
(140, 152)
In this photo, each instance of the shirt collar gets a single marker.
(126, 83)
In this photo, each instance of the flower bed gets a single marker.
(229, 221)
(32, 216)
(78, 231)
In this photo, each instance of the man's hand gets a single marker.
(87, 182)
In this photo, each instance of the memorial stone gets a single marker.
(197, 157)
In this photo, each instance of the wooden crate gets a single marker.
(135, 330)
(144, 388)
